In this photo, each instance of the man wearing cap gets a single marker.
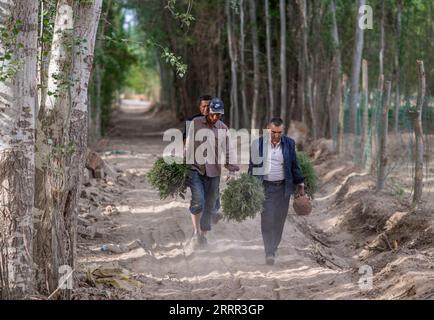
(203, 111)
(204, 176)
(279, 172)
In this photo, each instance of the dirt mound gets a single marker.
(321, 150)
(299, 132)
(387, 235)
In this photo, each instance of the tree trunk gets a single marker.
(382, 38)
(52, 246)
(341, 115)
(44, 51)
(308, 72)
(234, 66)
(243, 65)
(398, 67)
(337, 79)
(377, 106)
(355, 74)
(283, 75)
(269, 57)
(365, 145)
(85, 27)
(256, 75)
(417, 120)
(382, 155)
(18, 104)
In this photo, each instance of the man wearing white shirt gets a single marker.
(281, 172)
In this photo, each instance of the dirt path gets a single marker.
(310, 264)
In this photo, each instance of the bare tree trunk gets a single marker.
(382, 40)
(337, 69)
(377, 105)
(220, 66)
(341, 115)
(51, 244)
(243, 65)
(398, 66)
(96, 129)
(417, 120)
(234, 66)
(85, 27)
(283, 75)
(308, 72)
(256, 75)
(18, 104)
(355, 74)
(382, 156)
(269, 63)
(365, 145)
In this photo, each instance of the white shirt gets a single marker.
(275, 163)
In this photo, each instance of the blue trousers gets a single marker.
(204, 197)
(273, 216)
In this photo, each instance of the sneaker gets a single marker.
(216, 217)
(269, 260)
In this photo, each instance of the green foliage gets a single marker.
(168, 176)
(186, 18)
(243, 198)
(174, 61)
(113, 58)
(61, 150)
(308, 172)
(9, 65)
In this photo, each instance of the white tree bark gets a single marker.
(51, 246)
(86, 22)
(18, 103)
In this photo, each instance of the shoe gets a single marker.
(202, 241)
(269, 260)
(216, 217)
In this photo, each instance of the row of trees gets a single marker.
(46, 64)
(287, 58)
(303, 60)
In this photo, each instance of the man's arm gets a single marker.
(230, 155)
(297, 175)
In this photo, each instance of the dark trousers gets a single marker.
(273, 216)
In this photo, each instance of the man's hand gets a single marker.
(301, 189)
(231, 176)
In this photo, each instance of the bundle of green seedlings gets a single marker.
(168, 176)
(243, 198)
(309, 174)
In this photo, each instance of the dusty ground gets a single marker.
(319, 257)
